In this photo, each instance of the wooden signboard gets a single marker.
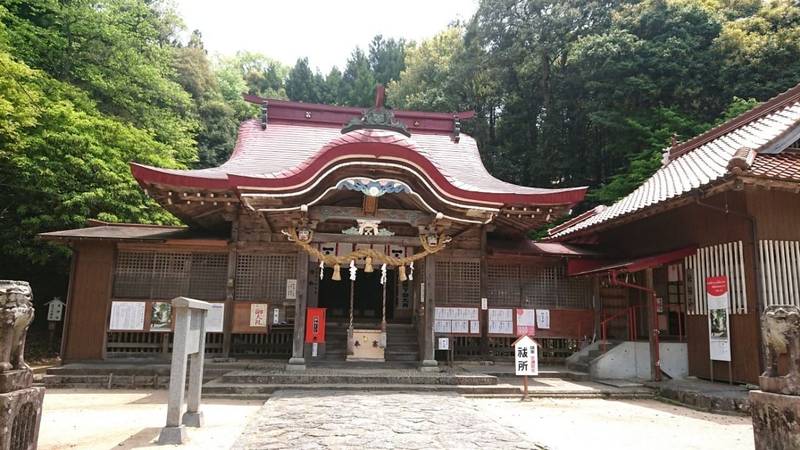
(251, 317)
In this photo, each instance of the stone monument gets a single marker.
(20, 403)
(776, 407)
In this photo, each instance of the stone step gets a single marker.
(401, 356)
(355, 379)
(219, 389)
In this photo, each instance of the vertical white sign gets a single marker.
(215, 318)
(526, 321)
(719, 337)
(258, 315)
(526, 356)
(444, 344)
(543, 319)
(291, 289)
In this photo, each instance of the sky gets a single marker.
(324, 31)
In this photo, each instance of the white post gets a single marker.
(189, 340)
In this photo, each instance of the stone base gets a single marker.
(20, 417)
(193, 419)
(296, 364)
(775, 420)
(787, 384)
(172, 435)
(429, 365)
(14, 380)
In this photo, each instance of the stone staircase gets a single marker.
(580, 361)
(260, 385)
(401, 342)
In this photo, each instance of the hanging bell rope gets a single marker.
(368, 254)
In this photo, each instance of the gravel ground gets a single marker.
(101, 419)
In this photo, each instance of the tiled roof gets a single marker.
(285, 149)
(708, 162)
(782, 166)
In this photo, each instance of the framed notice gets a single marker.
(501, 321)
(258, 315)
(161, 316)
(215, 318)
(127, 316)
(526, 322)
(719, 337)
(456, 320)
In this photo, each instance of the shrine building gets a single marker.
(332, 234)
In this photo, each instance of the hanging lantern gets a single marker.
(337, 274)
(411, 273)
(401, 270)
(352, 270)
(383, 273)
(368, 264)
(321, 269)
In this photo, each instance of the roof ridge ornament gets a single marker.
(379, 117)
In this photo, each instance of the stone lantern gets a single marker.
(20, 402)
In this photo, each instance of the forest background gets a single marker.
(567, 93)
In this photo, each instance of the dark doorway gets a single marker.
(368, 299)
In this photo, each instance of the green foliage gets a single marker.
(303, 85)
(358, 82)
(387, 58)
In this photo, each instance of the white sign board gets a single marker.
(718, 321)
(484, 304)
(55, 310)
(526, 356)
(526, 322)
(444, 344)
(456, 320)
(258, 315)
(215, 318)
(276, 316)
(127, 316)
(543, 319)
(291, 289)
(501, 321)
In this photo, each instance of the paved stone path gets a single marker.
(340, 420)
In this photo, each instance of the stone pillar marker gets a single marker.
(189, 343)
(776, 407)
(20, 403)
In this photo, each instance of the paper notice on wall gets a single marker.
(526, 322)
(442, 326)
(291, 289)
(460, 326)
(501, 321)
(543, 319)
(474, 327)
(215, 318)
(258, 315)
(718, 320)
(127, 316)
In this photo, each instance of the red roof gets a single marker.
(577, 267)
(782, 166)
(292, 152)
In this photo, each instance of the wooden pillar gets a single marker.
(230, 288)
(597, 306)
(297, 361)
(484, 315)
(428, 353)
(652, 322)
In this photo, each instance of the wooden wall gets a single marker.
(777, 212)
(698, 225)
(87, 305)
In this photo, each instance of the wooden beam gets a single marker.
(298, 343)
(406, 241)
(411, 217)
(428, 353)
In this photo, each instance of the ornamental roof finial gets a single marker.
(379, 117)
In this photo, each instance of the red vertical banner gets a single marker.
(718, 321)
(315, 325)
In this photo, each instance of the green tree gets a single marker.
(358, 82)
(302, 84)
(386, 58)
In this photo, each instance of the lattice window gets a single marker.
(163, 275)
(716, 260)
(780, 272)
(208, 276)
(536, 287)
(171, 274)
(263, 277)
(504, 287)
(133, 275)
(458, 282)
